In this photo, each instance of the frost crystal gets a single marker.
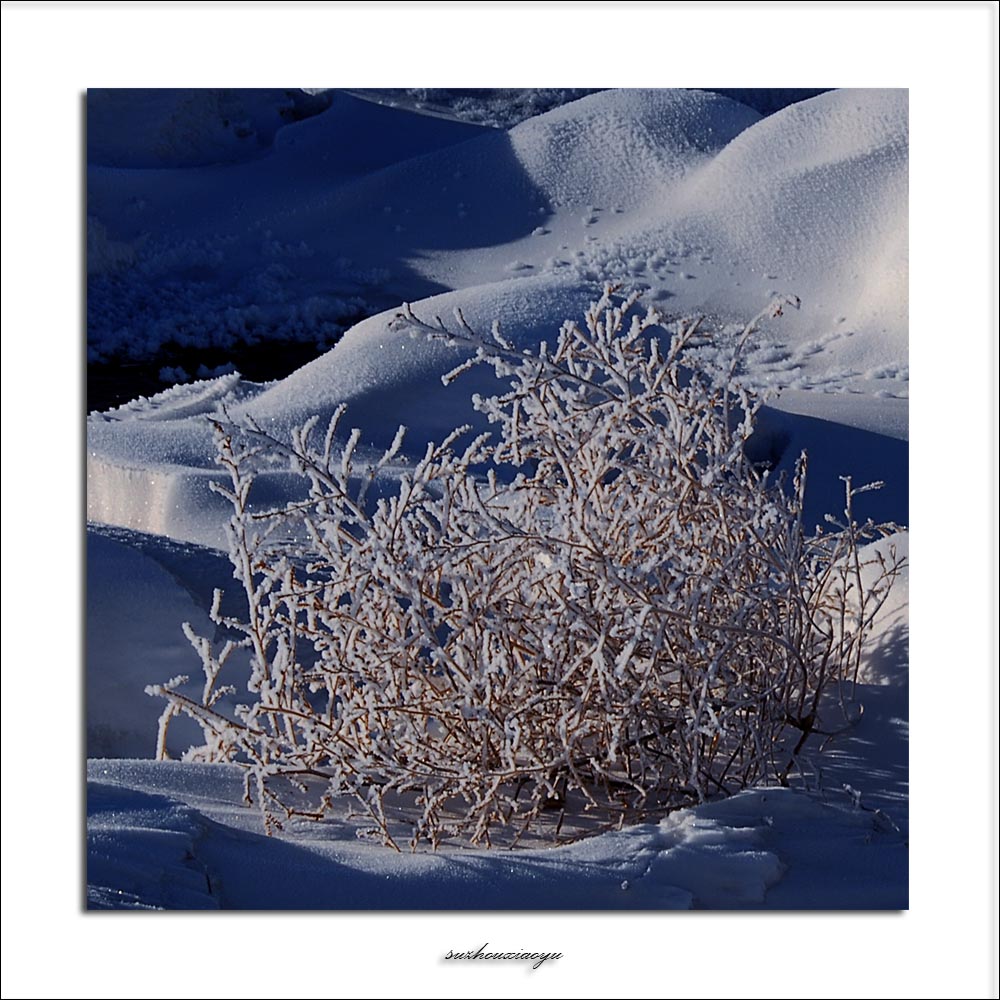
(621, 616)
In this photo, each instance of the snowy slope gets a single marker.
(688, 195)
(317, 231)
(815, 198)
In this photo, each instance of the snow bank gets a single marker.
(688, 195)
(815, 197)
(355, 137)
(388, 377)
(624, 147)
(176, 836)
(135, 609)
(153, 866)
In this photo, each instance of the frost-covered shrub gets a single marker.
(601, 609)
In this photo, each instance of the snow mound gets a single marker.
(621, 147)
(816, 197)
(171, 127)
(389, 377)
(180, 401)
(355, 136)
(150, 463)
(140, 853)
(687, 195)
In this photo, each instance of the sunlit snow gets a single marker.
(238, 228)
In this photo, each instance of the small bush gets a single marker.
(602, 609)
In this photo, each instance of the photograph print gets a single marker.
(497, 499)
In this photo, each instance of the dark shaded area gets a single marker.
(262, 265)
(165, 126)
(836, 450)
(357, 136)
(197, 569)
(479, 197)
(114, 383)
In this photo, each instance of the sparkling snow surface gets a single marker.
(210, 234)
(691, 196)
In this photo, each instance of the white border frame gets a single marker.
(945, 53)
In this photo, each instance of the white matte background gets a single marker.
(945, 945)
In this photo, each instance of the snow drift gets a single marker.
(283, 220)
(690, 196)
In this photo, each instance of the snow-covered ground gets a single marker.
(689, 196)
(160, 835)
(179, 835)
(692, 198)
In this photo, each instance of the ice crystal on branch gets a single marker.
(621, 615)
